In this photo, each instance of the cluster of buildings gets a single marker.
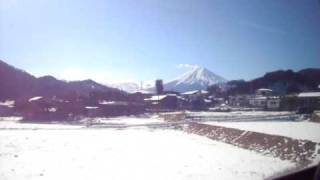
(6, 107)
(42, 108)
(191, 100)
(262, 99)
(265, 99)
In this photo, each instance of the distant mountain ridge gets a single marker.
(197, 79)
(281, 82)
(16, 83)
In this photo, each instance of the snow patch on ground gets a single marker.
(239, 113)
(7, 123)
(130, 120)
(11, 119)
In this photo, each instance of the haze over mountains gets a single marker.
(281, 81)
(198, 78)
(16, 83)
(129, 87)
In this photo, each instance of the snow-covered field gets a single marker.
(303, 130)
(13, 123)
(131, 120)
(131, 153)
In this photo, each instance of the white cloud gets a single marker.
(187, 66)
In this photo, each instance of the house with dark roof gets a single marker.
(308, 101)
(7, 108)
(165, 102)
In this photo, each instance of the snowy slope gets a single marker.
(197, 79)
(132, 87)
(256, 121)
(126, 86)
(298, 130)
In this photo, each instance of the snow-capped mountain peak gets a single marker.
(196, 79)
(200, 75)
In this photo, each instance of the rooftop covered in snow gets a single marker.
(264, 89)
(36, 98)
(160, 97)
(8, 103)
(309, 94)
(91, 107)
(119, 103)
(195, 92)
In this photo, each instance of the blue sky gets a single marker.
(134, 40)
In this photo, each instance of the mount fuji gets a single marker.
(198, 78)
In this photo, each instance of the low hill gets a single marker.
(16, 83)
(281, 82)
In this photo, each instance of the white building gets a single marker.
(264, 99)
(258, 101)
(309, 100)
(273, 103)
(264, 92)
(193, 95)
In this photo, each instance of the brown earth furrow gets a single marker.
(299, 151)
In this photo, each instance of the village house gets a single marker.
(289, 102)
(104, 108)
(139, 96)
(43, 109)
(258, 101)
(92, 111)
(216, 101)
(273, 103)
(264, 92)
(198, 99)
(116, 108)
(194, 95)
(33, 108)
(308, 101)
(264, 99)
(166, 102)
(239, 100)
(7, 108)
